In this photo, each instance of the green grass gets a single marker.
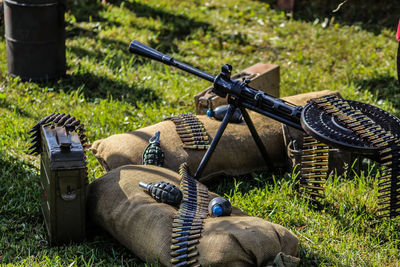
(112, 91)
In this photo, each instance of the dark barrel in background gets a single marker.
(35, 38)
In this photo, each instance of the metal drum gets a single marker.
(35, 37)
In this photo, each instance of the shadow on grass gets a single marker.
(101, 87)
(245, 183)
(118, 48)
(8, 106)
(89, 11)
(370, 15)
(73, 30)
(107, 249)
(382, 86)
(94, 87)
(175, 27)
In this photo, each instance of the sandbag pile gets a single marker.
(236, 153)
(134, 218)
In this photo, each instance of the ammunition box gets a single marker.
(263, 77)
(63, 179)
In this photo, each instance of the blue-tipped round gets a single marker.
(216, 211)
(210, 113)
(219, 206)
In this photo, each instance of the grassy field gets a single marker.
(112, 91)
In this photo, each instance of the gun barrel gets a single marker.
(247, 97)
(143, 50)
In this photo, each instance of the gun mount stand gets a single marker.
(232, 106)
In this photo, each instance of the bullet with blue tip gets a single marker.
(219, 206)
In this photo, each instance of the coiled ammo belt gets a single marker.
(188, 223)
(191, 131)
(387, 144)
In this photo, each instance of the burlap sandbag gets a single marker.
(236, 153)
(134, 218)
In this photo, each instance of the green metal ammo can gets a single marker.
(63, 179)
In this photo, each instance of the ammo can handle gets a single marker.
(62, 138)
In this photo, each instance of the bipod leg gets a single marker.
(257, 138)
(215, 141)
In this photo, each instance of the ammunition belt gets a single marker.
(62, 120)
(188, 223)
(313, 168)
(378, 137)
(191, 131)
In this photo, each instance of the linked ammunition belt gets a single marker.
(61, 120)
(188, 223)
(314, 168)
(378, 137)
(191, 131)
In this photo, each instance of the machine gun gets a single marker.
(346, 124)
